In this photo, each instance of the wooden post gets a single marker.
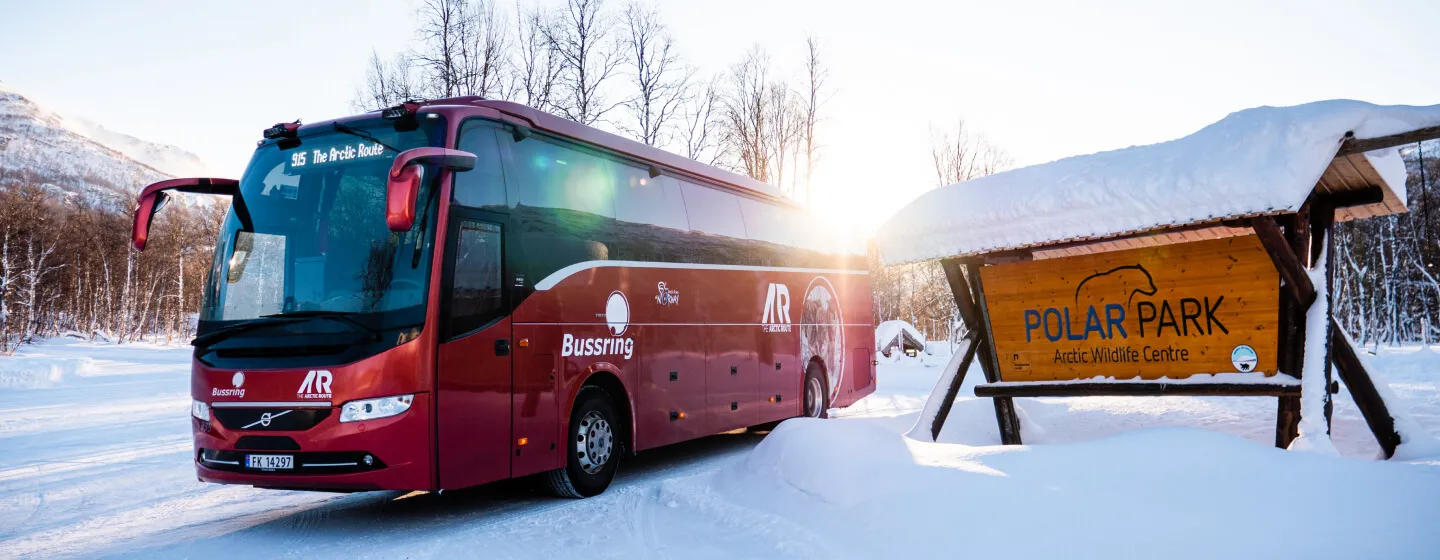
(954, 389)
(1322, 227)
(1362, 389)
(1005, 416)
(1290, 250)
(960, 290)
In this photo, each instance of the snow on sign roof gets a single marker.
(1264, 160)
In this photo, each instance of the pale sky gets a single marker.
(1044, 80)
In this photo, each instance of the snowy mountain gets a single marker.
(80, 158)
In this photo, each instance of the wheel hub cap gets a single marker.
(594, 442)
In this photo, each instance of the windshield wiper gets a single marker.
(366, 135)
(342, 316)
(226, 332)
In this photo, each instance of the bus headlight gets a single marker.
(370, 409)
(200, 411)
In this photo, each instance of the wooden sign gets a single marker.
(1168, 311)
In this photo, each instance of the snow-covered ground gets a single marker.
(94, 461)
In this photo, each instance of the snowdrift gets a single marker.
(42, 372)
(1172, 492)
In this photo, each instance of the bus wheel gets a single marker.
(593, 448)
(817, 399)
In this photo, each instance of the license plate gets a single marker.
(270, 462)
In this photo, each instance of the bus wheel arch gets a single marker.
(609, 382)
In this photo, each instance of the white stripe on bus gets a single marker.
(555, 277)
(257, 404)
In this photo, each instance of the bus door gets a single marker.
(473, 381)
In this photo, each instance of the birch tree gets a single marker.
(658, 78)
(582, 36)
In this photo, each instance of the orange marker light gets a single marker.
(524, 343)
(682, 415)
(522, 441)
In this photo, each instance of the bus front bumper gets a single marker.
(384, 454)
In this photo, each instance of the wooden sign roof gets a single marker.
(1256, 162)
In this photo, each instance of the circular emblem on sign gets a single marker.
(617, 313)
(1244, 358)
(265, 419)
(238, 380)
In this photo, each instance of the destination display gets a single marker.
(305, 157)
(1204, 307)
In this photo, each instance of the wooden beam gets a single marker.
(1354, 145)
(1346, 199)
(1297, 282)
(1362, 390)
(960, 290)
(1027, 253)
(953, 390)
(1137, 389)
(1005, 416)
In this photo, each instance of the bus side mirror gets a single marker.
(153, 197)
(403, 183)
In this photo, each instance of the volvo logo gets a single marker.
(265, 420)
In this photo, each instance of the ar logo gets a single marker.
(316, 385)
(776, 317)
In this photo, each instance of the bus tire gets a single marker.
(593, 448)
(815, 393)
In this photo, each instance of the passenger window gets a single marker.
(713, 211)
(643, 199)
(476, 293)
(555, 176)
(484, 186)
(768, 222)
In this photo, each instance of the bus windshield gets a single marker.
(319, 241)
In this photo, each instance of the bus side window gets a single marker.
(713, 211)
(554, 176)
(484, 186)
(768, 222)
(477, 291)
(653, 201)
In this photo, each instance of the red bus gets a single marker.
(449, 293)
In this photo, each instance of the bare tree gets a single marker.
(534, 65)
(443, 37)
(37, 269)
(783, 125)
(659, 80)
(386, 83)
(699, 124)
(962, 157)
(815, 76)
(7, 278)
(485, 43)
(581, 34)
(744, 114)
